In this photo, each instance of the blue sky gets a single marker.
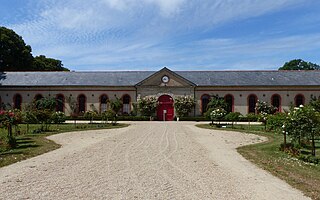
(179, 34)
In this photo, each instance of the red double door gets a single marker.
(165, 111)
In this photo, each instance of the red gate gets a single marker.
(165, 109)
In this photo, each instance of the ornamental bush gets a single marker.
(303, 124)
(183, 105)
(109, 115)
(233, 117)
(90, 115)
(217, 114)
(265, 108)
(58, 117)
(147, 106)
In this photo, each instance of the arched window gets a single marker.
(205, 99)
(38, 97)
(252, 100)
(103, 103)
(60, 103)
(126, 104)
(17, 101)
(81, 103)
(229, 100)
(299, 100)
(276, 102)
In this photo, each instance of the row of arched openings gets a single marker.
(126, 99)
(81, 102)
(252, 100)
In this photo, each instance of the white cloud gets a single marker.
(144, 32)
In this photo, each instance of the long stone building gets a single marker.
(241, 89)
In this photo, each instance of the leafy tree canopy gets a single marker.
(42, 63)
(299, 64)
(15, 55)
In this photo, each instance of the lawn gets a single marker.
(33, 144)
(301, 175)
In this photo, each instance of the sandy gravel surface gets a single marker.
(147, 160)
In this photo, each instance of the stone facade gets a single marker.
(156, 85)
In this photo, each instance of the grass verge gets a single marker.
(266, 155)
(31, 145)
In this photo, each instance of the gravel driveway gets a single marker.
(147, 160)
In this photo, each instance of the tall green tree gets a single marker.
(42, 63)
(15, 55)
(299, 64)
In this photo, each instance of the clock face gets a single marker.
(165, 79)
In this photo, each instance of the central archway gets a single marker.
(165, 110)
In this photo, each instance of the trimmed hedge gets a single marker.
(119, 118)
(146, 118)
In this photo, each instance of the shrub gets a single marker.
(193, 118)
(275, 122)
(133, 118)
(58, 117)
(217, 114)
(183, 105)
(147, 105)
(264, 108)
(233, 116)
(90, 115)
(109, 115)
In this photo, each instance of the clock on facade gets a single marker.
(165, 79)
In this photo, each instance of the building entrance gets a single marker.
(165, 111)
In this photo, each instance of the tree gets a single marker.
(183, 105)
(42, 63)
(15, 55)
(299, 64)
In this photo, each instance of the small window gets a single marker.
(299, 100)
(229, 100)
(126, 104)
(103, 103)
(81, 103)
(205, 99)
(252, 100)
(60, 103)
(17, 99)
(276, 102)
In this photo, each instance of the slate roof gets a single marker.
(131, 78)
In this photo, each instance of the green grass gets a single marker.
(30, 145)
(301, 175)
